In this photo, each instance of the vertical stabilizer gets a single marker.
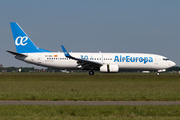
(22, 42)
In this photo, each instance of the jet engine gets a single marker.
(109, 68)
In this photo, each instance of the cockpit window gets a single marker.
(165, 59)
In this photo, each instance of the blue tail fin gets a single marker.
(22, 42)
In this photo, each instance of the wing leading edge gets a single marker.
(82, 63)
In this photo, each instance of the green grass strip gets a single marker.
(101, 87)
(21, 112)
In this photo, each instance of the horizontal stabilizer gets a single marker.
(15, 53)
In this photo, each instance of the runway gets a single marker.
(92, 103)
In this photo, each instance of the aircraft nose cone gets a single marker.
(173, 63)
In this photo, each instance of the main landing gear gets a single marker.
(91, 72)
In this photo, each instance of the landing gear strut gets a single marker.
(157, 73)
(91, 72)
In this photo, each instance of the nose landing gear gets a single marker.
(157, 73)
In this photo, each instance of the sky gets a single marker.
(128, 26)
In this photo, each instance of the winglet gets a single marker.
(66, 53)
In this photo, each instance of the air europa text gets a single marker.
(132, 59)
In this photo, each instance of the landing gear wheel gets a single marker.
(91, 72)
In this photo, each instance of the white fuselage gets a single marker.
(125, 61)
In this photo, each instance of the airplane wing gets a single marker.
(82, 63)
(14, 53)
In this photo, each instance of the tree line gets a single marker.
(32, 69)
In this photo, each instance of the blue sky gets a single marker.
(128, 26)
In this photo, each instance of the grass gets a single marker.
(75, 87)
(38, 112)
(101, 87)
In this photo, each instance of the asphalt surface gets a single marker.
(93, 103)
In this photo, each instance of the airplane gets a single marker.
(28, 52)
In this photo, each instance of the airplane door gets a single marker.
(156, 60)
(39, 59)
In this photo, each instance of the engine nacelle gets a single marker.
(109, 68)
(163, 70)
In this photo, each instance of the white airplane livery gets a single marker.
(28, 52)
